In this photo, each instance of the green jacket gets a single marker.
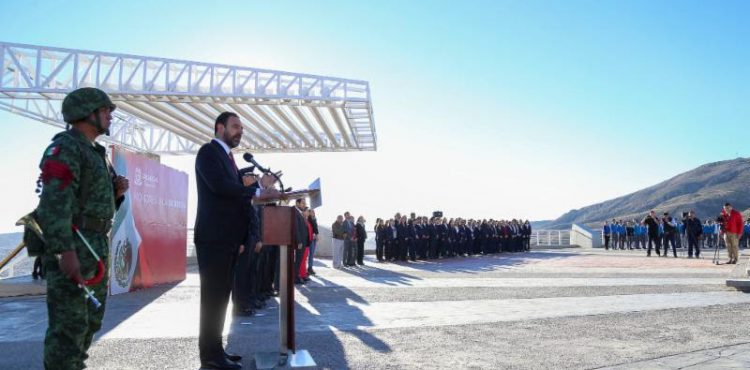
(337, 229)
(76, 182)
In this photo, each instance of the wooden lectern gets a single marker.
(278, 230)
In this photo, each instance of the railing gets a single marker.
(21, 264)
(16, 263)
(190, 245)
(550, 237)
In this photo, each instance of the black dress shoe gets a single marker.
(258, 304)
(222, 363)
(311, 272)
(232, 356)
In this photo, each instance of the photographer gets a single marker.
(652, 222)
(670, 232)
(694, 232)
(733, 228)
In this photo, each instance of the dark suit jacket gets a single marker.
(694, 227)
(361, 232)
(300, 229)
(253, 229)
(222, 216)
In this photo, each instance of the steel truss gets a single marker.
(168, 106)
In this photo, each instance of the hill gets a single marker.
(704, 189)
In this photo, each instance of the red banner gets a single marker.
(149, 240)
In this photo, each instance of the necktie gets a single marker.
(231, 159)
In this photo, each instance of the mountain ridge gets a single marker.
(704, 189)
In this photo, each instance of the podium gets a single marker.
(278, 229)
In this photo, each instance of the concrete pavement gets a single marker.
(539, 310)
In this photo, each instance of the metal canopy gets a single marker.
(168, 106)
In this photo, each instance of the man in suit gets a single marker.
(361, 233)
(652, 222)
(220, 229)
(694, 231)
(314, 244)
(350, 246)
(245, 290)
(527, 236)
(432, 243)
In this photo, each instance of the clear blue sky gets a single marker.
(483, 108)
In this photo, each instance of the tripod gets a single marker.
(716, 255)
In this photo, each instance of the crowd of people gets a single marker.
(403, 238)
(348, 241)
(687, 231)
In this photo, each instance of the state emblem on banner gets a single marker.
(123, 261)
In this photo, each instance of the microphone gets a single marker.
(249, 159)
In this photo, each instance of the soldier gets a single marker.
(79, 189)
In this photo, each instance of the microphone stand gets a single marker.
(281, 183)
(267, 171)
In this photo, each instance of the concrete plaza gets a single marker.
(567, 308)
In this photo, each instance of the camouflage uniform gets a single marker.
(77, 189)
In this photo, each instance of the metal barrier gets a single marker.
(190, 245)
(16, 263)
(550, 237)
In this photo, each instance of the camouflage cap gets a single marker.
(79, 103)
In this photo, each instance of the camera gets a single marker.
(437, 214)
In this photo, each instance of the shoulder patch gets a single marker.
(53, 151)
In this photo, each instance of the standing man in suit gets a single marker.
(350, 246)
(314, 244)
(361, 233)
(220, 229)
(432, 240)
(652, 222)
(391, 240)
(670, 232)
(694, 231)
(244, 292)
